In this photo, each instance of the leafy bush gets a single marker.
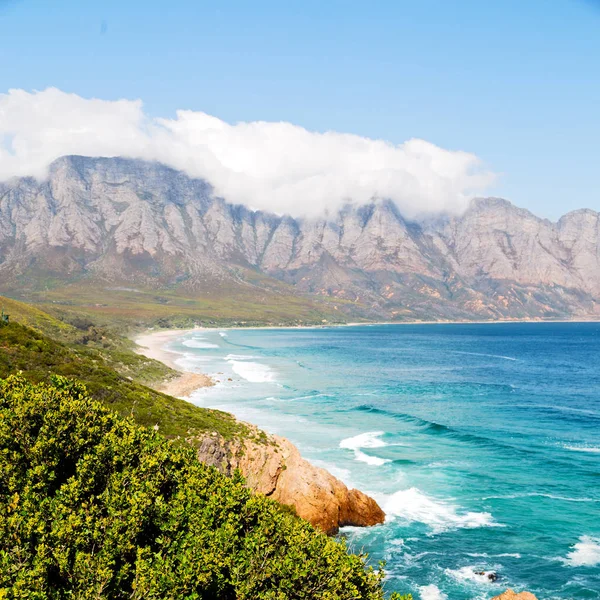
(95, 506)
(38, 356)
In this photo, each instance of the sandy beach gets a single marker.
(151, 344)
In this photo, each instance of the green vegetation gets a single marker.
(218, 305)
(95, 506)
(38, 357)
(34, 317)
(78, 331)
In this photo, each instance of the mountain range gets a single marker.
(118, 223)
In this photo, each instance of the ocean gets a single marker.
(480, 441)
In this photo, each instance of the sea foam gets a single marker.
(370, 439)
(469, 573)
(486, 355)
(431, 592)
(252, 371)
(414, 506)
(585, 553)
(590, 449)
(195, 343)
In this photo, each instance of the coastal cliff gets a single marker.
(512, 595)
(274, 467)
(271, 465)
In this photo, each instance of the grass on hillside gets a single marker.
(137, 308)
(78, 331)
(98, 507)
(37, 357)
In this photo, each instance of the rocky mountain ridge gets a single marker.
(123, 221)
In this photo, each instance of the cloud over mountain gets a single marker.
(278, 167)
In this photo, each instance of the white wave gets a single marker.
(591, 449)
(222, 334)
(370, 460)
(470, 574)
(307, 397)
(199, 344)
(252, 371)
(585, 553)
(431, 592)
(486, 555)
(240, 357)
(540, 495)
(190, 362)
(487, 355)
(369, 439)
(413, 505)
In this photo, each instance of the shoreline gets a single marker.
(152, 345)
(147, 334)
(155, 342)
(270, 464)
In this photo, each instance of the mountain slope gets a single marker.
(96, 506)
(112, 222)
(115, 376)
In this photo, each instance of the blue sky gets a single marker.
(515, 82)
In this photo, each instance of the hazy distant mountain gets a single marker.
(121, 221)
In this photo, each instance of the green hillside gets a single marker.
(78, 331)
(38, 357)
(37, 319)
(219, 305)
(94, 506)
(39, 346)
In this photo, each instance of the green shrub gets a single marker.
(95, 506)
(38, 356)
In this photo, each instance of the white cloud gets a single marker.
(278, 167)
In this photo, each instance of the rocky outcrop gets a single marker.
(128, 222)
(511, 595)
(273, 466)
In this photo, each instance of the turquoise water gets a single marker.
(481, 442)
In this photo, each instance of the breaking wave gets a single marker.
(431, 592)
(469, 573)
(540, 495)
(252, 371)
(434, 428)
(199, 344)
(370, 439)
(413, 505)
(486, 355)
(589, 449)
(585, 553)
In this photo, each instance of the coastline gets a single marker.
(155, 341)
(152, 345)
(150, 335)
(271, 464)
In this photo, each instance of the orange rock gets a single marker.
(512, 595)
(273, 466)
